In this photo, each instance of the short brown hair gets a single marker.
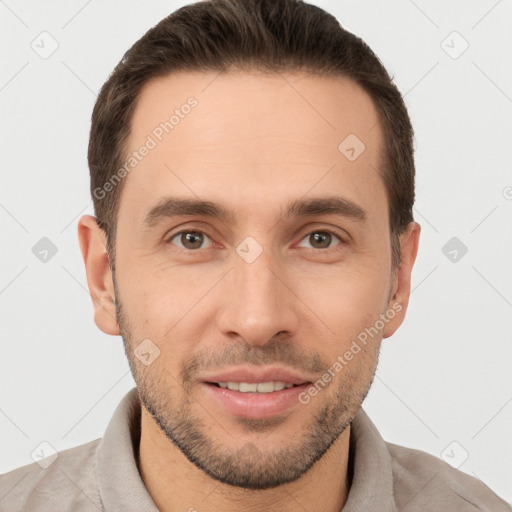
(269, 35)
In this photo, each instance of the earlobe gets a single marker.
(401, 287)
(92, 241)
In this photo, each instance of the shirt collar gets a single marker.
(121, 486)
(372, 482)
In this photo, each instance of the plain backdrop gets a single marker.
(444, 380)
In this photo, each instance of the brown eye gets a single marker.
(190, 240)
(321, 239)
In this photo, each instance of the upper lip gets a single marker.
(256, 375)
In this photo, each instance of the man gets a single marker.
(253, 179)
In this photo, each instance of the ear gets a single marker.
(401, 285)
(93, 244)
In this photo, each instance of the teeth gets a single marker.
(267, 387)
(248, 388)
(261, 387)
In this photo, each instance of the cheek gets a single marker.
(348, 297)
(343, 308)
(160, 295)
(169, 309)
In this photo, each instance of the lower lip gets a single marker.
(255, 405)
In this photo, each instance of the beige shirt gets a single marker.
(103, 476)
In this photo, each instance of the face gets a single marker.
(253, 253)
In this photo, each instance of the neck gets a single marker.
(175, 484)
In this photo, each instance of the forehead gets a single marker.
(246, 136)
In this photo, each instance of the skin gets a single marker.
(252, 144)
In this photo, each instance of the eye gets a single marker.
(191, 240)
(194, 240)
(321, 239)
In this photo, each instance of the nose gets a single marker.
(258, 304)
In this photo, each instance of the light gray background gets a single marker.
(444, 377)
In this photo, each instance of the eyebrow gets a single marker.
(171, 206)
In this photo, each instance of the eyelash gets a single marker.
(323, 231)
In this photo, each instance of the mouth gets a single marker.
(255, 387)
(256, 393)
